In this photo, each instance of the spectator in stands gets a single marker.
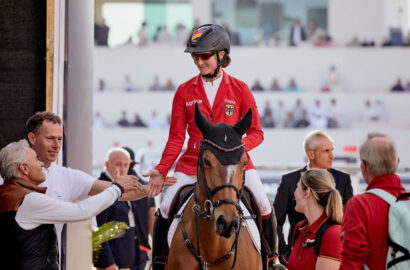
(303, 122)
(143, 35)
(129, 85)
(128, 43)
(318, 115)
(318, 147)
(386, 42)
(289, 121)
(368, 112)
(163, 35)
(292, 86)
(169, 86)
(144, 211)
(155, 122)
(122, 252)
(156, 85)
(407, 88)
(98, 121)
(298, 110)
(380, 113)
(333, 79)
(233, 36)
(181, 34)
(272, 40)
(275, 85)
(280, 114)
(123, 122)
(319, 201)
(257, 86)
(333, 114)
(368, 42)
(297, 33)
(138, 121)
(398, 87)
(101, 32)
(314, 32)
(355, 42)
(365, 223)
(267, 116)
(101, 85)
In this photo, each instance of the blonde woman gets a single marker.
(316, 243)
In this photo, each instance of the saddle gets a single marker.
(185, 192)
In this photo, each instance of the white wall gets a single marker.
(348, 18)
(366, 18)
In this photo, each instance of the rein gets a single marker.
(209, 207)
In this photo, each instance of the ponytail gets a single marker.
(334, 206)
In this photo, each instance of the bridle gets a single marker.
(209, 207)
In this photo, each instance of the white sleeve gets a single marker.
(38, 208)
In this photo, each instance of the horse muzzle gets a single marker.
(225, 228)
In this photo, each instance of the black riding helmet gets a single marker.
(209, 38)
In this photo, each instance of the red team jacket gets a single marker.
(365, 226)
(232, 101)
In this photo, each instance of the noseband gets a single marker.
(210, 204)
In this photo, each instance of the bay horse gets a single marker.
(210, 232)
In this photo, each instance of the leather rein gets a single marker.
(209, 207)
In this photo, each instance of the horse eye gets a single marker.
(207, 163)
(244, 165)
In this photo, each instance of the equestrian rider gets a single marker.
(221, 98)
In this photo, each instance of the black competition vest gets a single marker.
(22, 249)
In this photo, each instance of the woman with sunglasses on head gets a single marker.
(221, 98)
(316, 243)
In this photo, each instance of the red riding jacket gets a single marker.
(232, 101)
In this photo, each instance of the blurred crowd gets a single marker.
(299, 35)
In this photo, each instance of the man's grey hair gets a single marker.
(117, 150)
(11, 156)
(311, 141)
(379, 154)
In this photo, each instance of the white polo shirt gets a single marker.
(66, 184)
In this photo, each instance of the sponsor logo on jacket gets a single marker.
(193, 102)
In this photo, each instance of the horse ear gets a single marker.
(201, 122)
(245, 123)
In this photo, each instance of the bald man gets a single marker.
(365, 226)
(121, 253)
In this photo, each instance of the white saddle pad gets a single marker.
(248, 223)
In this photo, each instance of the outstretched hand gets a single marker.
(128, 182)
(156, 181)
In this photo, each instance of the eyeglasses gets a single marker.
(202, 56)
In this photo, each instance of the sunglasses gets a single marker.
(202, 56)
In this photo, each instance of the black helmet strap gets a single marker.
(218, 66)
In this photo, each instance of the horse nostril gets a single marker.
(221, 221)
(235, 224)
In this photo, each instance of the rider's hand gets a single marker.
(156, 181)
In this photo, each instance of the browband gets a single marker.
(221, 148)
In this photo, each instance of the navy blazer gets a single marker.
(124, 251)
(285, 203)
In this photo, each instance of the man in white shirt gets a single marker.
(45, 135)
(26, 214)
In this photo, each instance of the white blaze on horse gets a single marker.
(211, 232)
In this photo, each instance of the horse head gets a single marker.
(221, 170)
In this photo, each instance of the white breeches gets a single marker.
(252, 181)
